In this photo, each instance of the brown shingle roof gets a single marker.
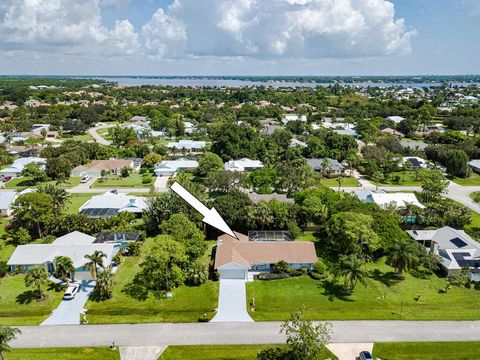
(110, 164)
(247, 253)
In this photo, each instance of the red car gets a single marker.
(6, 178)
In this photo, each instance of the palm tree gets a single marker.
(37, 276)
(349, 267)
(261, 214)
(403, 256)
(59, 195)
(104, 285)
(7, 334)
(95, 259)
(197, 273)
(64, 267)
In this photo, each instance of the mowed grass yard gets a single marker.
(223, 352)
(345, 182)
(472, 180)
(189, 303)
(18, 305)
(103, 353)
(407, 178)
(427, 351)
(114, 181)
(77, 200)
(22, 182)
(383, 298)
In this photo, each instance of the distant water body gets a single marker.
(221, 82)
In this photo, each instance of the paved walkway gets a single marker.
(141, 352)
(98, 138)
(349, 351)
(68, 312)
(238, 333)
(232, 301)
(160, 184)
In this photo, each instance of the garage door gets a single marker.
(232, 274)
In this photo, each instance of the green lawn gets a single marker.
(383, 298)
(112, 181)
(103, 353)
(18, 306)
(222, 352)
(188, 304)
(24, 183)
(475, 196)
(346, 182)
(472, 180)
(77, 200)
(105, 133)
(6, 250)
(473, 229)
(407, 178)
(83, 137)
(427, 351)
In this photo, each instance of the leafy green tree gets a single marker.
(350, 268)
(181, 229)
(151, 159)
(209, 163)
(95, 260)
(351, 232)
(64, 267)
(224, 181)
(457, 163)
(197, 273)
(433, 185)
(403, 256)
(7, 334)
(34, 212)
(313, 210)
(34, 172)
(233, 207)
(263, 180)
(37, 276)
(121, 136)
(104, 284)
(294, 175)
(20, 236)
(260, 214)
(59, 195)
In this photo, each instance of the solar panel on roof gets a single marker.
(459, 243)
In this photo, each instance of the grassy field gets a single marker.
(188, 304)
(84, 137)
(222, 352)
(6, 250)
(472, 180)
(383, 298)
(346, 182)
(77, 200)
(18, 306)
(407, 178)
(23, 183)
(115, 181)
(427, 351)
(103, 353)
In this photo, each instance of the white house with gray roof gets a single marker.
(171, 167)
(113, 203)
(188, 145)
(15, 170)
(327, 166)
(243, 164)
(455, 248)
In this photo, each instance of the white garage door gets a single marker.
(232, 274)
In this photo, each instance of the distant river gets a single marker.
(219, 82)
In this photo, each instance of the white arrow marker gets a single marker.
(211, 217)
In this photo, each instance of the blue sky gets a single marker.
(239, 37)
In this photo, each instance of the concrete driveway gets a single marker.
(160, 184)
(232, 302)
(349, 351)
(68, 312)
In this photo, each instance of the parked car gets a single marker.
(84, 179)
(71, 291)
(365, 355)
(6, 179)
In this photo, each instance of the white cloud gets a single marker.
(284, 28)
(64, 27)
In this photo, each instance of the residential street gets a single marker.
(238, 333)
(98, 138)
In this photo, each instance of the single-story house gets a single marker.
(395, 119)
(74, 245)
(15, 170)
(393, 132)
(475, 165)
(383, 199)
(95, 168)
(243, 164)
(292, 117)
(256, 198)
(7, 198)
(417, 162)
(113, 203)
(330, 167)
(139, 118)
(189, 127)
(455, 248)
(295, 142)
(171, 167)
(235, 258)
(188, 145)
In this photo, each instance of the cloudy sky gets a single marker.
(239, 37)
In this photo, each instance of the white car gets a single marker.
(71, 291)
(84, 179)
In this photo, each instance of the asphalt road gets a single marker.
(98, 138)
(239, 333)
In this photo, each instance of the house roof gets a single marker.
(20, 163)
(400, 200)
(247, 253)
(267, 197)
(241, 164)
(174, 165)
(6, 199)
(475, 163)
(332, 164)
(111, 164)
(75, 238)
(111, 203)
(187, 144)
(36, 254)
